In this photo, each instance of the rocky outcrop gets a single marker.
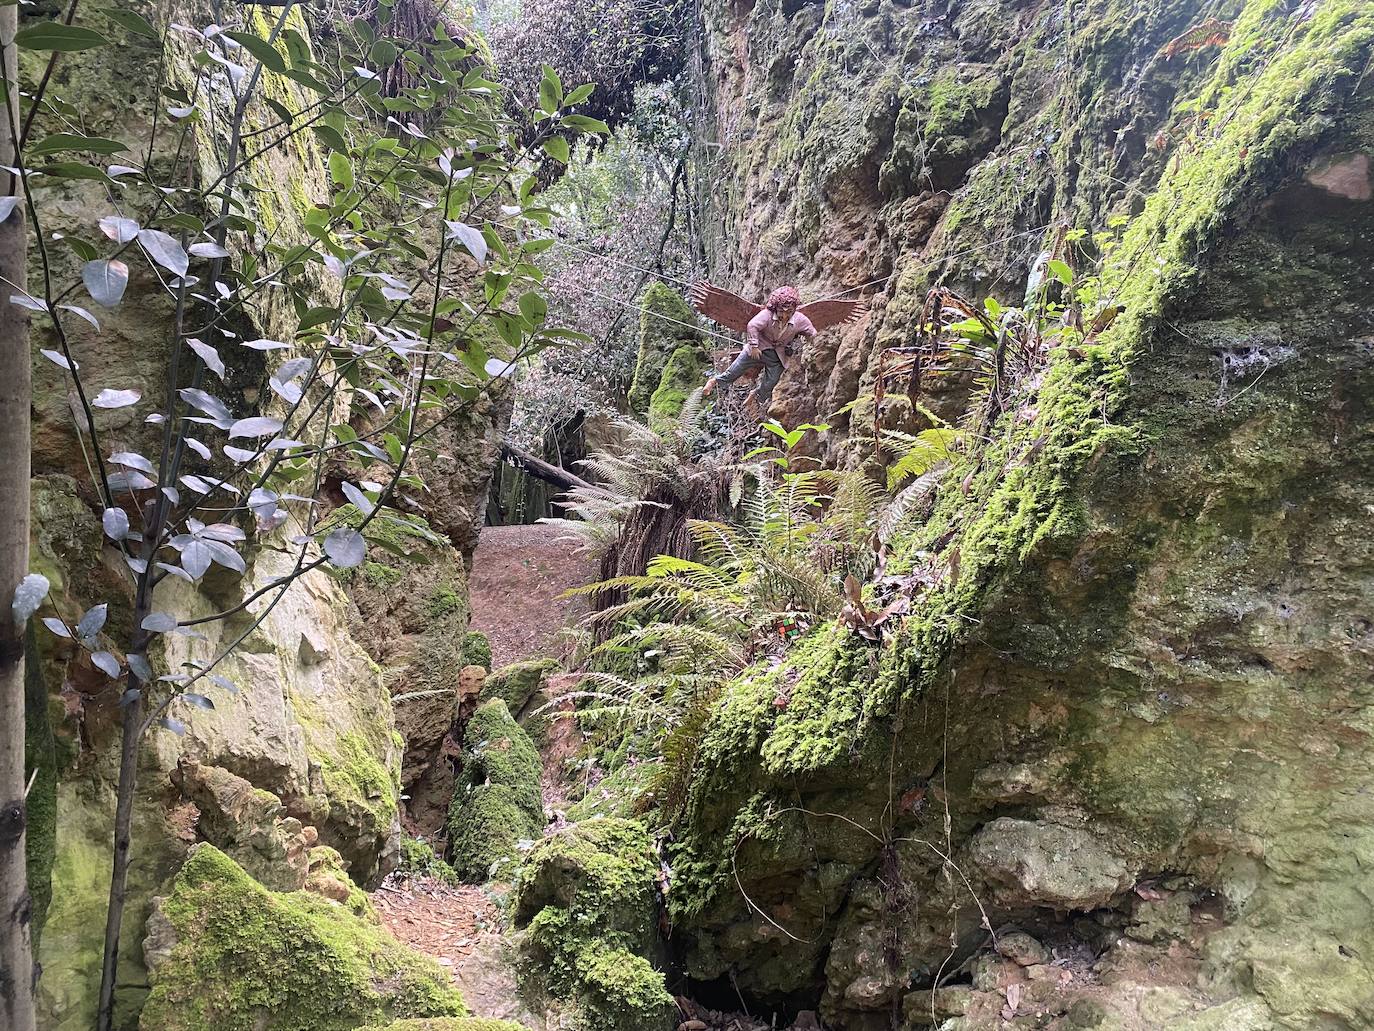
(1133, 698)
(671, 350)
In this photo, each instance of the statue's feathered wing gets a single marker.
(723, 307)
(825, 314)
(734, 312)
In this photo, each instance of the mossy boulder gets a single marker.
(225, 954)
(684, 372)
(666, 325)
(518, 683)
(498, 802)
(586, 900)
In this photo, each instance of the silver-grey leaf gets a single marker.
(7, 206)
(56, 358)
(131, 480)
(116, 523)
(359, 499)
(208, 250)
(227, 532)
(207, 403)
(471, 238)
(266, 345)
(345, 547)
(28, 301)
(167, 567)
(108, 398)
(138, 664)
(257, 426)
(195, 559)
(81, 313)
(57, 626)
(198, 700)
(159, 622)
(107, 664)
(209, 356)
(106, 280)
(132, 460)
(293, 367)
(225, 556)
(27, 597)
(92, 622)
(164, 250)
(286, 390)
(120, 230)
(174, 725)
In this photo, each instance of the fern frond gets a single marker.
(900, 508)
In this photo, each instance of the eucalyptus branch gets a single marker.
(38, 94)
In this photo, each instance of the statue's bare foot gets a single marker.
(710, 387)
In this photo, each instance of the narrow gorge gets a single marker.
(413, 633)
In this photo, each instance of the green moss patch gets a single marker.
(476, 649)
(246, 957)
(517, 684)
(498, 803)
(666, 325)
(684, 372)
(587, 901)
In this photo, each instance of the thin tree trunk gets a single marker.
(119, 875)
(16, 953)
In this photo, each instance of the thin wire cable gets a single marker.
(733, 342)
(617, 261)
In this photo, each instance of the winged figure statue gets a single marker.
(771, 331)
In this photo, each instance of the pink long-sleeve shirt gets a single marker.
(764, 332)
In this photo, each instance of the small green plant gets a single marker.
(418, 859)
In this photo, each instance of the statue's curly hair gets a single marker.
(783, 296)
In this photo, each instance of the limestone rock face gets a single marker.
(1045, 864)
(1145, 679)
(247, 824)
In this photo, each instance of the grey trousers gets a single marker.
(771, 365)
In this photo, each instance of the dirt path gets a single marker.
(437, 919)
(518, 576)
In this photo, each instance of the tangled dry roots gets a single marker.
(412, 22)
